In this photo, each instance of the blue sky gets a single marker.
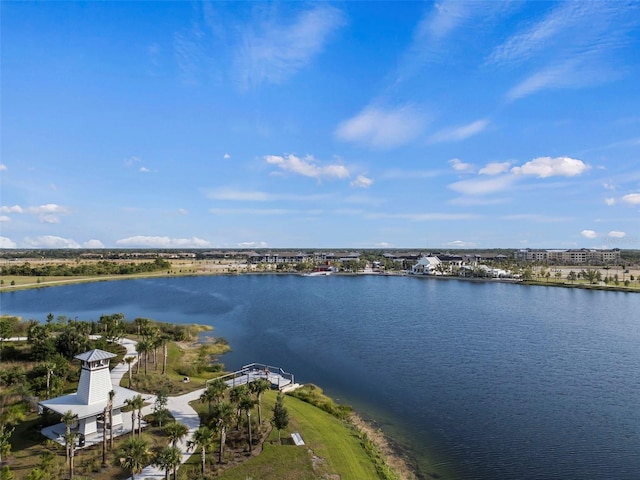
(308, 125)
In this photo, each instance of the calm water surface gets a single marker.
(486, 380)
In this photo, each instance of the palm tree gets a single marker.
(220, 420)
(214, 392)
(69, 419)
(129, 360)
(134, 455)
(176, 431)
(236, 395)
(105, 416)
(112, 395)
(70, 440)
(130, 403)
(142, 347)
(167, 459)
(138, 404)
(258, 387)
(202, 439)
(246, 404)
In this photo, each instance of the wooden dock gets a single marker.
(277, 377)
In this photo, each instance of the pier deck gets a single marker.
(276, 376)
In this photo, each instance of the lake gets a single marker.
(484, 380)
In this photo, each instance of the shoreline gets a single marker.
(533, 283)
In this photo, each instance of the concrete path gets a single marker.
(178, 406)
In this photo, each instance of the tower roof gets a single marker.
(95, 355)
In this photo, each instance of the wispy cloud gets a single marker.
(461, 244)
(494, 168)
(461, 167)
(307, 166)
(259, 196)
(142, 241)
(263, 211)
(571, 47)
(273, 51)
(589, 233)
(383, 128)
(462, 132)
(483, 186)
(536, 217)
(425, 217)
(362, 182)
(397, 174)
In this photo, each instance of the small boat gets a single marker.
(319, 273)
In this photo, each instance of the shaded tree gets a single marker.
(168, 459)
(176, 431)
(258, 387)
(134, 455)
(219, 421)
(203, 440)
(280, 415)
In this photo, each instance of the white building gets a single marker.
(92, 396)
(426, 266)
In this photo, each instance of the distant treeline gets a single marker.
(103, 267)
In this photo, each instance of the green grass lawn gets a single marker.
(330, 444)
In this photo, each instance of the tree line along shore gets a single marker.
(39, 272)
(40, 366)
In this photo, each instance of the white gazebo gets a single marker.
(92, 396)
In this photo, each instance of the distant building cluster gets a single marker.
(578, 256)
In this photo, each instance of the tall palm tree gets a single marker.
(220, 420)
(129, 360)
(105, 416)
(214, 392)
(134, 455)
(69, 419)
(236, 395)
(70, 440)
(246, 404)
(168, 459)
(112, 395)
(130, 403)
(143, 347)
(202, 439)
(176, 431)
(138, 404)
(258, 387)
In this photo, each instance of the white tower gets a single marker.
(95, 378)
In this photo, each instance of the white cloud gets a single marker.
(544, 167)
(183, 211)
(459, 133)
(93, 244)
(383, 245)
(617, 234)
(589, 233)
(4, 218)
(307, 166)
(277, 51)
(609, 185)
(226, 156)
(13, 209)
(254, 211)
(632, 198)
(362, 182)
(535, 217)
(380, 128)
(48, 209)
(460, 166)
(483, 186)
(610, 201)
(494, 168)
(231, 194)
(50, 241)
(7, 243)
(425, 217)
(49, 218)
(461, 244)
(131, 161)
(252, 245)
(144, 170)
(3, 167)
(142, 241)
